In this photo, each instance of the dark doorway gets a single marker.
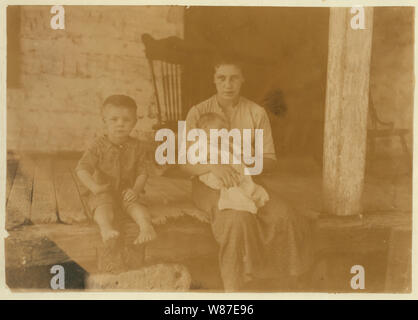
(282, 49)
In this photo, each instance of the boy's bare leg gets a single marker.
(103, 216)
(141, 216)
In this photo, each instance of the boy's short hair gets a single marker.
(210, 117)
(120, 100)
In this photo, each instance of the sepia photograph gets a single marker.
(208, 149)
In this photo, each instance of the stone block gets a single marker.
(160, 277)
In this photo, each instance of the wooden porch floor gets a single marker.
(43, 189)
(43, 205)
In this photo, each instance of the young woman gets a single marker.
(276, 241)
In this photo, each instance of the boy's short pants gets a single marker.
(106, 198)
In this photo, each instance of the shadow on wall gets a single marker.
(55, 107)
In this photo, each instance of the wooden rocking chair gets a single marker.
(381, 129)
(166, 59)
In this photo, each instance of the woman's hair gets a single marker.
(220, 60)
(211, 117)
(120, 100)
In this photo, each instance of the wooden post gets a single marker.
(346, 108)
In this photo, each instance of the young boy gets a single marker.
(246, 195)
(113, 171)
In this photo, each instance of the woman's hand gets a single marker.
(227, 174)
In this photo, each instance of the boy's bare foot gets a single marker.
(145, 234)
(109, 234)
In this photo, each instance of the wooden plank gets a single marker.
(10, 176)
(70, 208)
(44, 208)
(20, 197)
(349, 52)
(366, 222)
(28, 246)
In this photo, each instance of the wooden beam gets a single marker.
(32, 244)
(346, 108)
(179, 239)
